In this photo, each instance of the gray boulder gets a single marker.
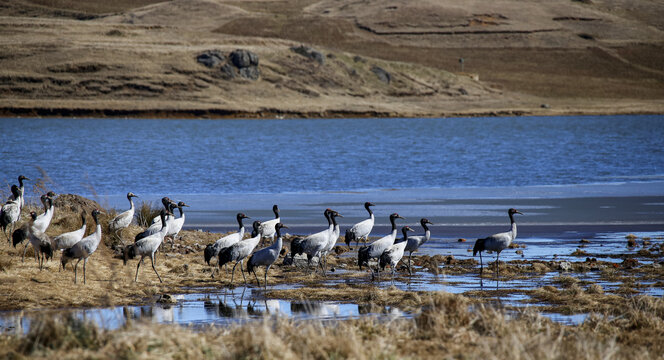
(211, 58)
(382, 74)
(309, 53)
(243, 58)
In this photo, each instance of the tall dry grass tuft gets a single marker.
(146, 211)
(63, 333)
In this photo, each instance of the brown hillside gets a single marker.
(63, 57)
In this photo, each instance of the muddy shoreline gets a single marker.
(202, 113)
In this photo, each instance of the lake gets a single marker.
(114, 156)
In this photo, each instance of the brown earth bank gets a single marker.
(330, 58)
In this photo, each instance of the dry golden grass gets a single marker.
(447, 327)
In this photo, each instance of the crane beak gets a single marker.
(519, 212)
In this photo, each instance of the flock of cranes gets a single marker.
(74, 245)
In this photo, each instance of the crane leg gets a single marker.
(76, 270)
(24, 250)
(155, 269)
(243, 277)
(497, 273)
(320, 262)
(233, 272)
(84, 263)
(257, 282)
(410, 270)
(481, 268)
(266, 269)
(137, 267)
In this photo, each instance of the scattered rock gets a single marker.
(631, 242)
(211, 58)
(463, 91)
(359, 59)
(646, 242)
(251, 72)
(584, 241)
(519, 252)
(565, 266)
(309, 53)
(228, 71)
(243, 58)
(382, 74)
(545, 106)
(630, 263)
(461, 240)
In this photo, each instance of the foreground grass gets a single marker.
(447, 327)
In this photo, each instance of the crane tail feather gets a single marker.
(208, 253)
(225, 256)
(479, 246)
(363, 256)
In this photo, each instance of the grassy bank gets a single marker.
(446, 328)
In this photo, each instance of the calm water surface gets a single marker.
(113, 156)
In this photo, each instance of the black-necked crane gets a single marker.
(158, 225)
(314, 244)
(213, 250)
(376, 248)
(334, 237)
(266, 256)
(147, 246)
(394, 253)
(267, 226)
(414, 242)
(497, 242)
(11, 212)
(37, 225)
(166, 202)
(69, 239)
(361, 230)
(44, 220)
(240, 250)
(125, 218)
(41, 243)
(175, 226)
(84, 248)
(21, 189)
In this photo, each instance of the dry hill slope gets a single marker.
(369, 58)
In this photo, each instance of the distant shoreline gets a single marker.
(48, 112)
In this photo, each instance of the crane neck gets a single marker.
(394, 226)
(131, 203)
(369, 211)
(239, 221)
(513, 223)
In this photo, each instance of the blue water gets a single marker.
(113, 156)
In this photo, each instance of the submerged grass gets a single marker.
(447, 327)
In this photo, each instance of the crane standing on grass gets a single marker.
(240, 250)
(124, 218)
(84, 248)
(147, 246)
